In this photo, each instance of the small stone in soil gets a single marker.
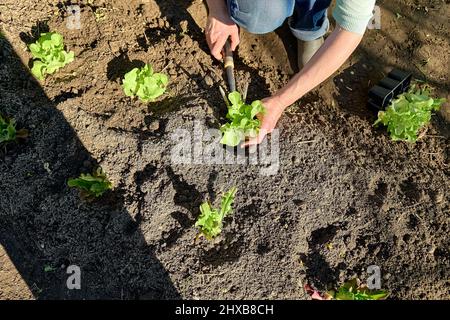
(208, 81)
(153, 126)
(209, 110)
(184, 26)
(115, 46)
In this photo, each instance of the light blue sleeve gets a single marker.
(354, 15)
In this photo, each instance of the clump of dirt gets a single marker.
(345, 197)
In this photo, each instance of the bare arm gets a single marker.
(216, 6)
(331, 56)
(334, 52)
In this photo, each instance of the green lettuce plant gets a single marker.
(8, 131)
(49, 54)
(145, 83)
(91, 185)
(407, 115)
(210, 221)
(242, 123)
(350, 290)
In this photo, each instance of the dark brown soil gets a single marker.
(345, 197)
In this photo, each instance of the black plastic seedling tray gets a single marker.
(396, 82)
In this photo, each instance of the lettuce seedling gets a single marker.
(351, 290)
(242, 123)
(8, 131)
(210, 221)
(94, 185)
(49, 54)
(144, 83)
(406, 116)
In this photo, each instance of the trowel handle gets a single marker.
(229, 66)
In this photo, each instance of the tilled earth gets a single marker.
(344, 197)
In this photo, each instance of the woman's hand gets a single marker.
(219, 28)
(269, 120)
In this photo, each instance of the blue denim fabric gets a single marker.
(308, 18)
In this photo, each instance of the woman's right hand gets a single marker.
(219, 28)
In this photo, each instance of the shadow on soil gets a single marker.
(175, 17)
(45, 227)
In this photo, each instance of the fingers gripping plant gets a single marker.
(49, 54)
(91, 185)
(242, 123)
(409, 114)
(144, 83)
(210, 221)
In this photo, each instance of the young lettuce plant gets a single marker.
(210, 221)
(350, 290)
(91, 186)
(406, 116)
(144, 83)
(353, 290)
(49, 54)
(242, 123)
(8, 131)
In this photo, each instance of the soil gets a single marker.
(345, 196)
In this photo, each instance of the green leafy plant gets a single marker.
(210, 221)
(242, 123)
(49, 54)
(353, 290)
(144, 83)
(91, 185)
(100, 14)
(350, 290)
(8, 131)
(407, 115)
(49, 268)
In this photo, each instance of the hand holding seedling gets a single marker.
(268, 120)
(242, 122)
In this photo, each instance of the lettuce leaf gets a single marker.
(49, 54)
(242, 123)
(144, 83)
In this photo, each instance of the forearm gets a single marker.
(334, 52)
(216, 6)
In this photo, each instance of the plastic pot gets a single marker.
(396, 82)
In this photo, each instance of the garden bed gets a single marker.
(345, 196)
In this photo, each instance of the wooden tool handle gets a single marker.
(229, 66)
